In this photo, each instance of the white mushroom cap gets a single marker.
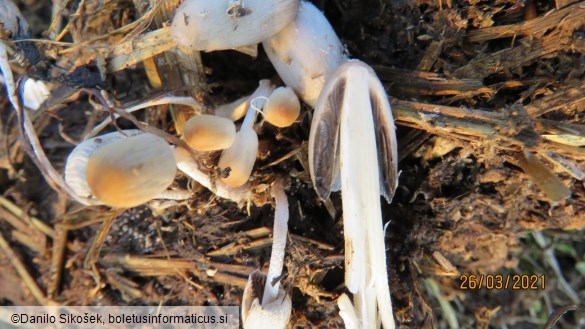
(216, 25)
(209, 132)
(282, 108)
(125, 172)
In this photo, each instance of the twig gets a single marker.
(557, 314)
(100, 238)
(551, 260)
(231, 250)
(136, 50)
(29, 281)
(476, 125)
(528, 28)
(57, 260)
(164, 100)
(140, 125)
(149, 266)
(167, 255)
(27, 133)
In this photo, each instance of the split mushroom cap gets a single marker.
(132, 171)
(239, 158)
(353, 137)
(282, 108)
(338, 93)
(306, 52)
(217, 25)
(275, 315)
(209, 132)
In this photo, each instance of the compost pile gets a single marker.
(489, 102)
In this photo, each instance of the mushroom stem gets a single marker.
(265, 305)
(250, 117)
(256, 102)
(173, 195)
(187, 165)
(279, 234)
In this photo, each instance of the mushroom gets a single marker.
(305, 52)
(265, 304)
(217, 25)
(121, 171)
(240, 156)
(191, 168)
(353, 137)
(209, 132)
(238, 160)
(282, 107)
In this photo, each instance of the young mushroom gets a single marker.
(305, 52)
(217, 25)
(121, 171)
(209, 133)
(238, 160)
(265, 304)
(353, 137)
(282, 107)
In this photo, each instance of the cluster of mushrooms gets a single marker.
(352, 147)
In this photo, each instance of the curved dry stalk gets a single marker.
(180, 100)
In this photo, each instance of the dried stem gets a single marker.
(478, 125)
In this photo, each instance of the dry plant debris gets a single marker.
(493, 185)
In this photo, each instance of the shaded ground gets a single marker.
(468, 203)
